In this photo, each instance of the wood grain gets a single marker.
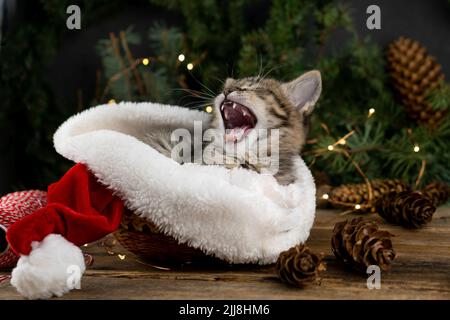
(421, 271)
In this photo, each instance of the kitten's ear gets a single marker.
(304, 91)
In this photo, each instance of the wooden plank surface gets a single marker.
(420, 271)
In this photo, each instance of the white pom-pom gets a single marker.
(53, 267)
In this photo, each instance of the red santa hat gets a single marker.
(79, 210)
(238, 215)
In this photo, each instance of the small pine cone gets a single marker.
(414, 75)
(348, 195)
(299, 265)
(359, 243)
(437, 192)
(408, 209)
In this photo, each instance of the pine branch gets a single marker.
(116, 48)
(440, 97)
(137, 77)
(118, 76)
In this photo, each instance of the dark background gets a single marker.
(76, 60)
(425, 20)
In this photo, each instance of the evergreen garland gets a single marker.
(30, 113)
(295, 38)
(220, 40)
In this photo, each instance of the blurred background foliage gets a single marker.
(212, 40)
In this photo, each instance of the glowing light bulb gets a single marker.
(342, 142)
(371, 111)
(325, 196)
(181, 57)
(190, 66)
(145, 61)
(209, 109)
(357, 207)
(121, 256)
(112, 101)
(330, 148)
(416, 148)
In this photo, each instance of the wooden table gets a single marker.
(421, 271)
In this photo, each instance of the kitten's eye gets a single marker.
(259, 90)
(229, 90)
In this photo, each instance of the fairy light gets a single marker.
(145, 61)
(371, 111)
(416, 148)
(121, 256)
(112, 101)
(357, 206)
(190, 66)
(342, 142)
(85, 245)
(330, 148)
(325, 196)
(209, 109)
(181, 57)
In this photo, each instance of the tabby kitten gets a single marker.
(247, 112)
(247, 105)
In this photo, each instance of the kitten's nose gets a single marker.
(227, 92)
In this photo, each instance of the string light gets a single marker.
(342, 142)
(181, 57)
(190, 66)
(357, 207)
(112, 101)
(209, 109)
(371, 111)
(325, 196)
(330, 148)
(145, 61)
(416, 148)
(121, 256)
(85, 245)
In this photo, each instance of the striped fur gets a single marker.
(283, 106)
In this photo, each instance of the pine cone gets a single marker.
(437, 192)
(415, 74)
(299, 265)
(359, 243)
(408, 209)
(348, 195)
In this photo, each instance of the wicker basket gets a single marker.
(143, 238)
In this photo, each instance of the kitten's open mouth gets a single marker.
(238, 120)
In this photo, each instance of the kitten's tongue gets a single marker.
(238, 120)
(236, 134)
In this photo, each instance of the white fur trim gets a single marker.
(236, 215)
(46, 271)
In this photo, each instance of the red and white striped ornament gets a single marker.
(13, 207)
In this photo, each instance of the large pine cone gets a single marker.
(299, 265)
(415, 74)
(408, 209)
(348, 195)
(359, 243)
(437, 192)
